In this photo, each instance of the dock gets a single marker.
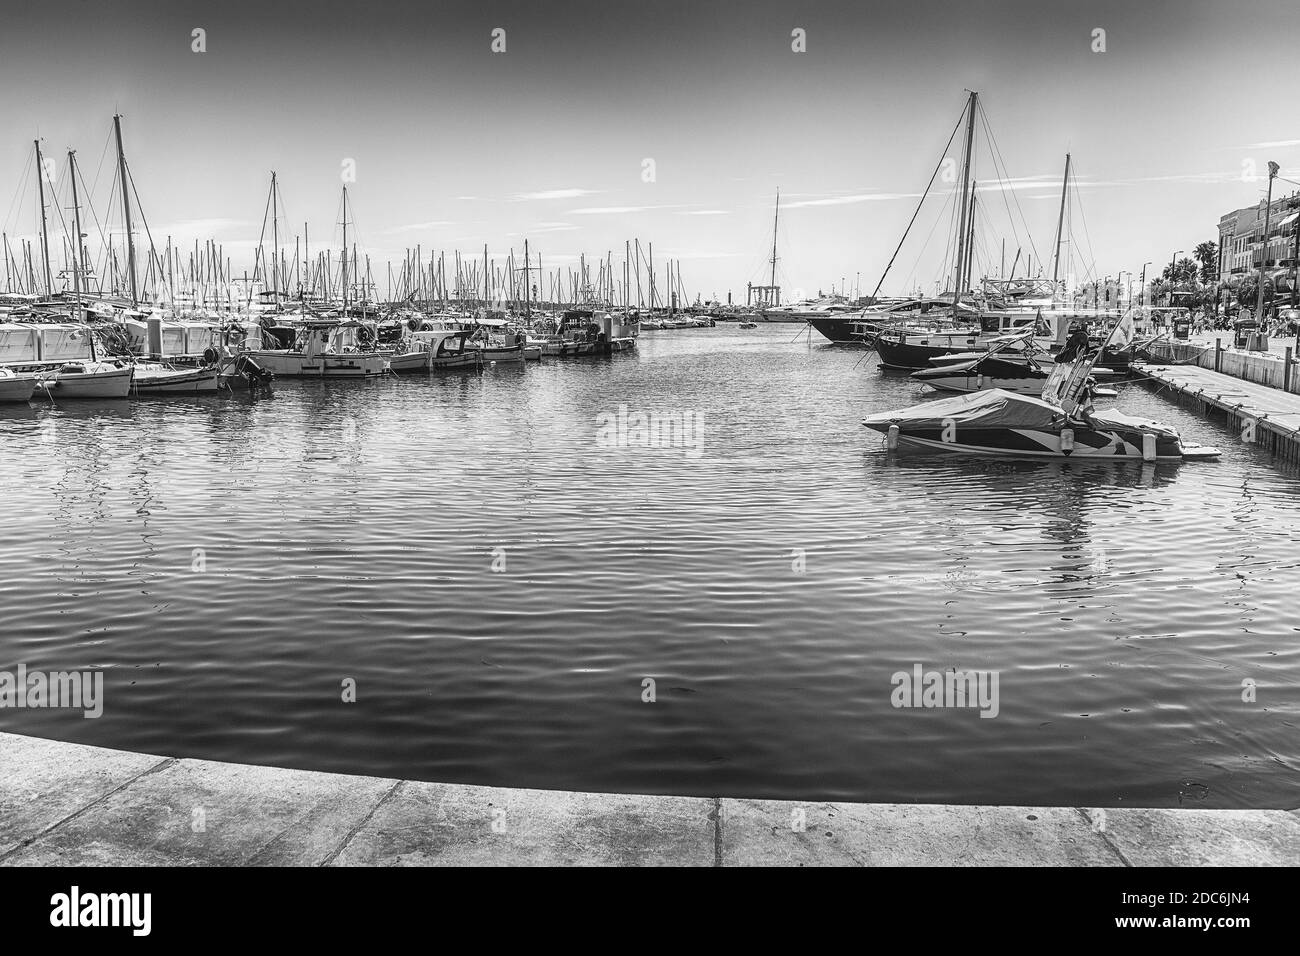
(64, 804)
(1261, 413)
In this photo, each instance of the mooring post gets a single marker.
(1286, 371)
(1218, 354)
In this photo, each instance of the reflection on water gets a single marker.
(499, 586)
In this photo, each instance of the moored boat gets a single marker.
(87, 380)
(15, 387)
(427, 351)
(1060, 424)
(155, 378)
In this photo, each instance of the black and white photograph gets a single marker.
(606, 434)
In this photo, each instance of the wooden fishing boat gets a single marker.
(435, 350)
(79, 380)
(157, 378)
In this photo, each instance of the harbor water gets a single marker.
(521, 600)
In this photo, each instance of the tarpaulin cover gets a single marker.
(995, 408)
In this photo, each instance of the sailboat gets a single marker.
(324, 347)
(1061, 423)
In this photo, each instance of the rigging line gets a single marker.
(90, 196)
(93, 215)
(153, 250)
(938, 166)
(998, 151)
(1005, 178)
(930, 235)
(1083, 216)
(22, 184)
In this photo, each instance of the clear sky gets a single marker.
(456, 146)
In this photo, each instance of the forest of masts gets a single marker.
(205, 277)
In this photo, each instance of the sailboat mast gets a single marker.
(126, 208)
(76, 220)
(970, 235)
(1060, 224)
(958, 266)
(776, 220)
(45, 236)
(345, 250)
(275, 241)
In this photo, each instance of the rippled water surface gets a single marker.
(349, 530)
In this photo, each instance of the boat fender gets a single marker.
(891, 438)
(1067, 441)
(210, 356)
(1148, 446)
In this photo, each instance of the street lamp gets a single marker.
(1172, 260)
(1263, 249)
(1144, 283)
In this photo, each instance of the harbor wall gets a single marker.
(1263, 368)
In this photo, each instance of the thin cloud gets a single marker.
(422, 226)
(705, 212)
(848, 200)
(1275, 144)
(555, 194)
(611, 210)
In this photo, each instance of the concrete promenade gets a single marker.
(69, 804)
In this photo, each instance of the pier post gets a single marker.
(1218, 354)
(1286, 371)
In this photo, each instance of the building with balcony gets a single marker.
(1242, 243)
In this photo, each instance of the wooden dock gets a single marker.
(1266, 416)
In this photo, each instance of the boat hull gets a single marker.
(17, 388)
(321, 365)
(78, 385)
(175, 381)
(839, 330)
(919, 354)
(1002, 424)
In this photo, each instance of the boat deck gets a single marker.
(1274, 413)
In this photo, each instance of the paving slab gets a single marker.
(789, 833)
(198, 812)
(45, 781)
(68, 804)
(1203, 837)
(425, 824)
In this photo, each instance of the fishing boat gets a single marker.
(1061, 423)
(86, 380)
(15, 387)
(426, 351)
(323, 348)
(157, 378)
